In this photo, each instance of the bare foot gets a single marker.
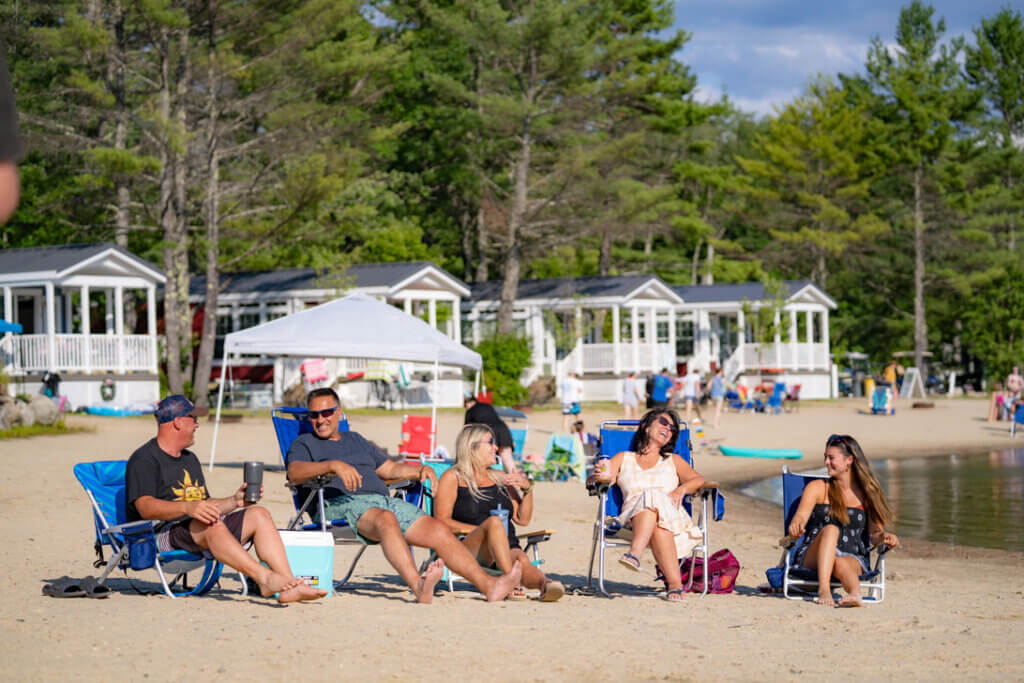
(851, 601)
(825, 599)
(425, 590)
(504, 584)
(289, 589)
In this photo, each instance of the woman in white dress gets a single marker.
(654, 480)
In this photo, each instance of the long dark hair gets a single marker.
(640, 439)
(876, 504)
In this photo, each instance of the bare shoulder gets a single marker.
(818, 488)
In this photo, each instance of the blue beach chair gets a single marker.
(777, 397)
(563, 459)
(289, 423)
(800, 583)
(132, 545)
(881, 400)
(1016, 419)
(618, 436)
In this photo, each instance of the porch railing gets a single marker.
(20, 354)
(595, 358)
(770, 356)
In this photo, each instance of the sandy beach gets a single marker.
(950, 612)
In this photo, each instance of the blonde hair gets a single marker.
(468, 464)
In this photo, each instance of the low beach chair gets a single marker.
(1016, 419)
(417, 431)
(792, 400)
(132, 545)
(800, 583)
(881, 400)
(563, 459)
(289, 423)
(777, 397)
(618, 436)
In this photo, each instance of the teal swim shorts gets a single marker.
(351, 508)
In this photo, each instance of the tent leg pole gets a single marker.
(433, 408)
(224, 364)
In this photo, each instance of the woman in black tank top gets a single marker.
(470, 490)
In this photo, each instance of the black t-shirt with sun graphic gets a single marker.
(152, 472)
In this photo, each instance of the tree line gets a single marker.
(507, 139)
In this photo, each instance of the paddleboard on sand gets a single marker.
(782, 453)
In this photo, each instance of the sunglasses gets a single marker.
(665, 422)
(325, 413)
(833, 439)
(489, 442)
(195, 418)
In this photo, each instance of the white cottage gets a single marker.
(250, 298)
(71, 303)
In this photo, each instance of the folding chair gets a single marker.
(618, 436)
(563, 459)
(417, 431)
(1017, 418)
(289, 423)
(800, 583)
(793, 399)
(881, 400)
(133, 544)
(778, 395)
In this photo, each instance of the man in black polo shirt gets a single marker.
(164, 481)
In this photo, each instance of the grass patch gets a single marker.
(23, 432)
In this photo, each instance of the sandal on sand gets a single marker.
(94, 589)
(65, 587)
(674, 595)
(630, 561)
(551, 591)
(518, 593)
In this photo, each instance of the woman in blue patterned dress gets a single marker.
(833, 515)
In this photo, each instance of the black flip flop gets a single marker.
(94, 589)
(64, 587)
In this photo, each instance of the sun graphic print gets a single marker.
(188, 490)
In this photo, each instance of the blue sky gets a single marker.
(763, 52)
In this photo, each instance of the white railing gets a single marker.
(78, 353)
(783, 356)
(595, 358)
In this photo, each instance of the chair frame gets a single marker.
(607, 536)
(177, 563)
(339, 529)
(872, 582)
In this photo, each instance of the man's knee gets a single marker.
(381, 520)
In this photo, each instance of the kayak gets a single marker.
(783, 453)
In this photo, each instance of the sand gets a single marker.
(950, 612)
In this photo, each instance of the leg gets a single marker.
(507, 461)
(689, 407)
(381, 525)
(821, 555)
(847, 570)
(219, 540)
(718, 411)
(663, 547)
(489, 544)
(533, 578)
(644, 523)
(427, 532)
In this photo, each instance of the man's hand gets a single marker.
(206, 511)
(348, 475)
(427, 473)
(239, 496)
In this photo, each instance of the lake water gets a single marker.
(974, 499)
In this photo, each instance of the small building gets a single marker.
(88, 313)
(248, 299)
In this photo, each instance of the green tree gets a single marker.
(815, 160)
(921, 97)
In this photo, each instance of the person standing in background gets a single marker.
(631, 395)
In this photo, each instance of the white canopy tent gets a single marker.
(355, 326)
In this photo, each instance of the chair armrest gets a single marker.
(400, 483)
(788, 541)
(881, 548)
(540, 535)
(596, 488)
(139, 526)
(707, 487)
(317, 482)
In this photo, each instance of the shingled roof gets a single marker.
(59, 258)
(298, 279)
(566, 287)
(738, 291)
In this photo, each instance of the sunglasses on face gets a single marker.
(665, 422)
(193, 417)
(489, 442)
(325, 413)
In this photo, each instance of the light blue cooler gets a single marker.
(311, 557)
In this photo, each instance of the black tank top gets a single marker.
(472, 511)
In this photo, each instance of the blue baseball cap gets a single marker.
(177, 406)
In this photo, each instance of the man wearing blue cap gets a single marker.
(164, 481)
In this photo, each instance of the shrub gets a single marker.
(505, 359)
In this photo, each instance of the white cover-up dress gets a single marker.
(648, 490)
